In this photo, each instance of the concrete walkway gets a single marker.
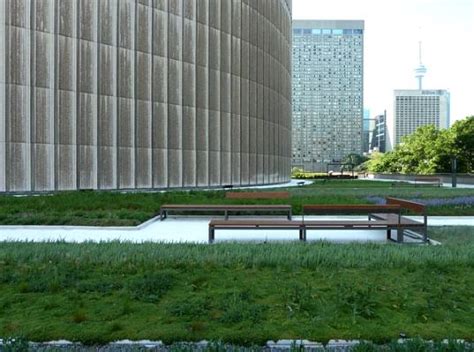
(195, 229)
(292, 183)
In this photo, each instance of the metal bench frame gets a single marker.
(412, 228)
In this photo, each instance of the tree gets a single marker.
(426, 151)
(354, 159)
(463, 131)
(429, 150)
(380, 162)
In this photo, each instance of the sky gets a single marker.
(393, 29)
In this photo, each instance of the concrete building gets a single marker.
(142, 94)
(327, 91)
(368, 126)
(416, 108)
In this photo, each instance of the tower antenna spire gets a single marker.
(419, 50)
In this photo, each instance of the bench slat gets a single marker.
(407, 204)
(394, 219)
(316, 223)
(356, 208)
(225, 206)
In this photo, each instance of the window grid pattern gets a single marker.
(327, 95)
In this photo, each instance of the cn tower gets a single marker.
(420, 71)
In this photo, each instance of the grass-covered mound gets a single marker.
(129, 209)
(239, 293)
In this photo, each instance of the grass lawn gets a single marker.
(236, 292)
(129, 209)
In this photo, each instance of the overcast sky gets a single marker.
(393, 29)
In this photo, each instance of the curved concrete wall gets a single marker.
(125, 94)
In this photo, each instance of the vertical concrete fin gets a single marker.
(143, 93)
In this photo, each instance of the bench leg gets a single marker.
(302, 232)
(400, 235)
(211, 234)
(226, 215)
(289, 215)
(389, 233)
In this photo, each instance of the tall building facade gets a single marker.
(142, 94)
(368, 126)
(379, 135)
(416, 108)
(328, 75)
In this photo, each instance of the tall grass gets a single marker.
(284, 255)
(235, 292)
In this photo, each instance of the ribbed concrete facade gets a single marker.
(141, 94)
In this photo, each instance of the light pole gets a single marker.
(454, 166)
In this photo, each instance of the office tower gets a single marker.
(416, 108)
(127, 94)
(327, 91)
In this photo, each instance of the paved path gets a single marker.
(446, 184)
(195, 229)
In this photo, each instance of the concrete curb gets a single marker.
(159, 346)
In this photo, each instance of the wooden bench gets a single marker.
(225, 208)
(300, 225)
(389, 223)
(379, 217)
(257, 195)
(428, 181)
(303, 225)
(407, 226)
(344, 225)
(255, 225)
